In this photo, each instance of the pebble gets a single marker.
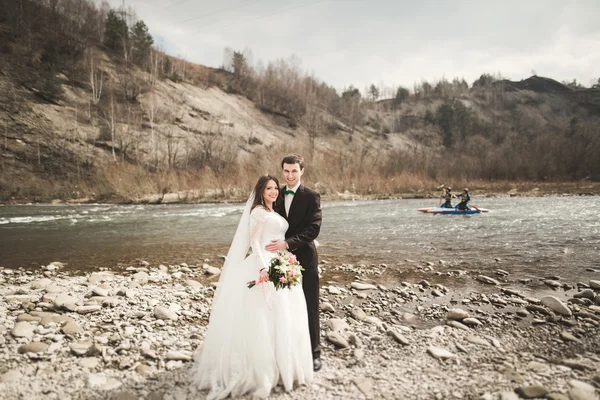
(556, 305)
(440, 353)
(457, 314)
(11, 376)
(531, 392)
(22, 329)
(487, 280)
(398, 337)
(163, 313)
(362, 286)
(337, 339)
(33, 347)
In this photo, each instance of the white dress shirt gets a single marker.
(289, 197)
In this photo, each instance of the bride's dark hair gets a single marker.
(260, 188)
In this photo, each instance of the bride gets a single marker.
(256, 338)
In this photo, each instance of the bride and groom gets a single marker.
(259, 337)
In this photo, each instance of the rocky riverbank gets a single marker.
(132, 334)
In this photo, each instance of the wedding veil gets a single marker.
(236, 254)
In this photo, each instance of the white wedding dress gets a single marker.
(256, 338)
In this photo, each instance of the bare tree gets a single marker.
(110, 117)
(156, 60)
(96, 75)
(152, 110)
(172, 143)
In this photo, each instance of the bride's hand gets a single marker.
(264, 275)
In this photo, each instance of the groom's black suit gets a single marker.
(305, 223)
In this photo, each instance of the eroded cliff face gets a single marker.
(198, 141)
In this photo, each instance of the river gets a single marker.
(526, 236)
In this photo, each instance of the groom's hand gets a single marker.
(276, 245)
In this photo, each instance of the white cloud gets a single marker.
(359, 42)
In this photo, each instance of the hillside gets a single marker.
(89, 122)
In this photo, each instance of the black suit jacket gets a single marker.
(305, 224)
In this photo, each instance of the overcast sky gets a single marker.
(394, 42)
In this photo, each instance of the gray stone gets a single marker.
(531, 392)
(365, 385)
(88, 309)
(98, 291)
(22, 329)
(141, 277)
(337, 339)
(538, 309)
(552, 283)
(358, 314)
(508, 396)
(471, 322)
(143, 369)
(53, 288)
(459, 325)
(478, 341)
(33, 347)
(193, 284)
(362, 286)
(148, 352)
(334, 290)
(161, 312)
(440, 353)
(179, 355)
(359, 354)
(569, 337)
(62, 299)
(556, 396)
(398, 337)
(577, 384)
(80, 348)
(100, 381)
(487, 280)
(336, 324)
(40, 283)
(89, 362)
(585, 293)
(457, 314)
(10, 376)
(373, 321)
(580, 394)
(537, 366)
(210, 270)
(71, 328)
(556, 305)
(28, 317)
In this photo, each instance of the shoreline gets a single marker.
(178, 198)
(133, 333)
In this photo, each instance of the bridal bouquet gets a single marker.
(284, 271)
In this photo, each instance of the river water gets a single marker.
(525, 236)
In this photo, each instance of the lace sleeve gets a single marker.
(257, 221)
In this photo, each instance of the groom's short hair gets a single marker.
(293, 159)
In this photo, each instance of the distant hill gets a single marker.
(535, 84)
(83, 117)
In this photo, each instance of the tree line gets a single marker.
(477, 131)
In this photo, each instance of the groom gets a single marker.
(301, 207)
